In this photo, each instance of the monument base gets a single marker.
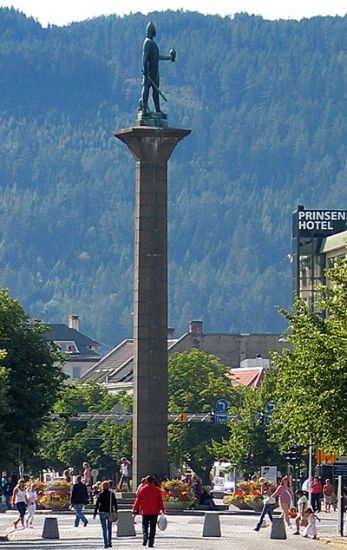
(156, 120)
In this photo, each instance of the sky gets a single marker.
(62, 12)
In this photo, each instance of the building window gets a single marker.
(76, 372)
(67, 346)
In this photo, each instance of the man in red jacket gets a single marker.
(149, 504)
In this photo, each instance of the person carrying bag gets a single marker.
(149, 504)
(106, 504)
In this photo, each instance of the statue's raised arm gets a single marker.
(150, 70)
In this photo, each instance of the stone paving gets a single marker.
(184, 532)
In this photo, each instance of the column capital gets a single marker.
(151, 144)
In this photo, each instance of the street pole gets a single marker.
(341, 505)
(309, 470)
(295, 476)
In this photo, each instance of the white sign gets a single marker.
(269, 472)
(320, 220)
(340, 459)
(94, 473)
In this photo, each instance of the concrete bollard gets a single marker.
(125, 524)
(278, 530)
(211, 525)
(50, 529)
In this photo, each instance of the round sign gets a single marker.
(221, 405)
(95, 473)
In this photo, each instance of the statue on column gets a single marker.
(150, 71)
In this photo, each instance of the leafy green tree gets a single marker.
(311, 381)
(3, 391)
(196, 380)
(68, 443)
(31, 379)
(248, 445)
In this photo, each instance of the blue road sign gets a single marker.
(270, 407)
(221, 417)
(221, 405)
(340, 469)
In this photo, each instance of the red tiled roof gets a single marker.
(247, 377)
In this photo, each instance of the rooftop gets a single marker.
(69, 340)
(116, 368)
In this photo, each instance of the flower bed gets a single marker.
(238, 498)
(176, 494)
(56, 496)
(247, 496)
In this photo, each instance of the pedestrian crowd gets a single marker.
(149, 503)
(297, 506)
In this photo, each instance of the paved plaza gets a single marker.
(184, 532)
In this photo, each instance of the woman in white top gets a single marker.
(32, 499)
(20, 500)
(124, 473)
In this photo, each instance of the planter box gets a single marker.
(54, 502)
(178, 506)
(256, 505)
(240, 505)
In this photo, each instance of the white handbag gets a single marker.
(162, 522)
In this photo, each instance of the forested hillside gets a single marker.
(266, 102)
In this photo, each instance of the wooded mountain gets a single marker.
(266, 102)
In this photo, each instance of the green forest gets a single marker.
(267, 105)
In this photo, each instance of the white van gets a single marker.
(223, 476)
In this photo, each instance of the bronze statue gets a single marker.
(150, 70)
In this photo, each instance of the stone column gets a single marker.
(151, 147)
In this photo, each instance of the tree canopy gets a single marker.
(67, 443)
(311, 381)
(248, 445)
(196, 380)
(30, 379)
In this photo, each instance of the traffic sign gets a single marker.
(221, 405)
(221, 417)
(324, 457)
(340, 469)
(269, 472)
(330, 458)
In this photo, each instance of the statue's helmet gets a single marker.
(150, 30)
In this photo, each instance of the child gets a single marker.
(302, 506)
(311, 528)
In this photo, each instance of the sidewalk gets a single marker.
(184, 532)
